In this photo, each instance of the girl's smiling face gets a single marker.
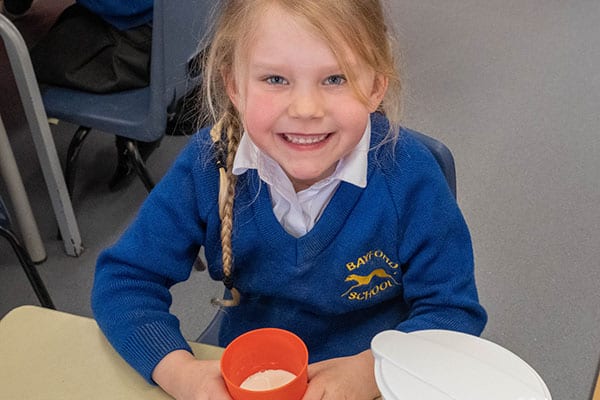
(295, 102)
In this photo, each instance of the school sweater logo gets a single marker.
(370, 284)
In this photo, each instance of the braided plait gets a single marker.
(231, 128)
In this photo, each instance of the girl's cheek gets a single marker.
(260, 111)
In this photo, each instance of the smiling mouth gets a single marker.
(304, 139)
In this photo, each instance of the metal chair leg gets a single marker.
(139, 166)
(32, 274)
(71, 164)
(131, 157)
(123, 170)
(73, 154)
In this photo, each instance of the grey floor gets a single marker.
(513, 88)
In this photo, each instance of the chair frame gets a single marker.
(31, 99)
(33, 276)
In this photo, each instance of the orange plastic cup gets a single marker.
(265, 349)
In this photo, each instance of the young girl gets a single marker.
(333, 222)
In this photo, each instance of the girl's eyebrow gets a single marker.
(266, 65)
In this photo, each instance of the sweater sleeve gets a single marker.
(121, 14)
(130, 295)
(438, 271)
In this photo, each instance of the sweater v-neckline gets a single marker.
(320, 236)
(331, 221)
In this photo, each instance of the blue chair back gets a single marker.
(186, 25)
(443, 156)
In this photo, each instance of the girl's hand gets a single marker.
(350, 378)
(185, 378)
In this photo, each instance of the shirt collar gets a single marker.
(351, 169)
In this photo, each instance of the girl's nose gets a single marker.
(306, 103)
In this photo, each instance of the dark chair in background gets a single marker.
(138, 116)
(33, 276)
(443, 156)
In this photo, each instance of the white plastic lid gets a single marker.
(446, 365)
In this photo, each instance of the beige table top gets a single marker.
(47, 354)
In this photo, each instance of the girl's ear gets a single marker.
(380, 85)
(231, 87)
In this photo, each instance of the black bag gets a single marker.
(82, 51)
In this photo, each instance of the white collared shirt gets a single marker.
(298, 212)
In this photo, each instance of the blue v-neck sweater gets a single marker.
(394, 255)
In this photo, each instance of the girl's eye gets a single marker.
(335, 80)
(275, 80)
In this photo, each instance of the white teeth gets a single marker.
(300, 139)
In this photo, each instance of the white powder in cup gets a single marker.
(267, 379)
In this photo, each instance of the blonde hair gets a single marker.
(360, 24)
